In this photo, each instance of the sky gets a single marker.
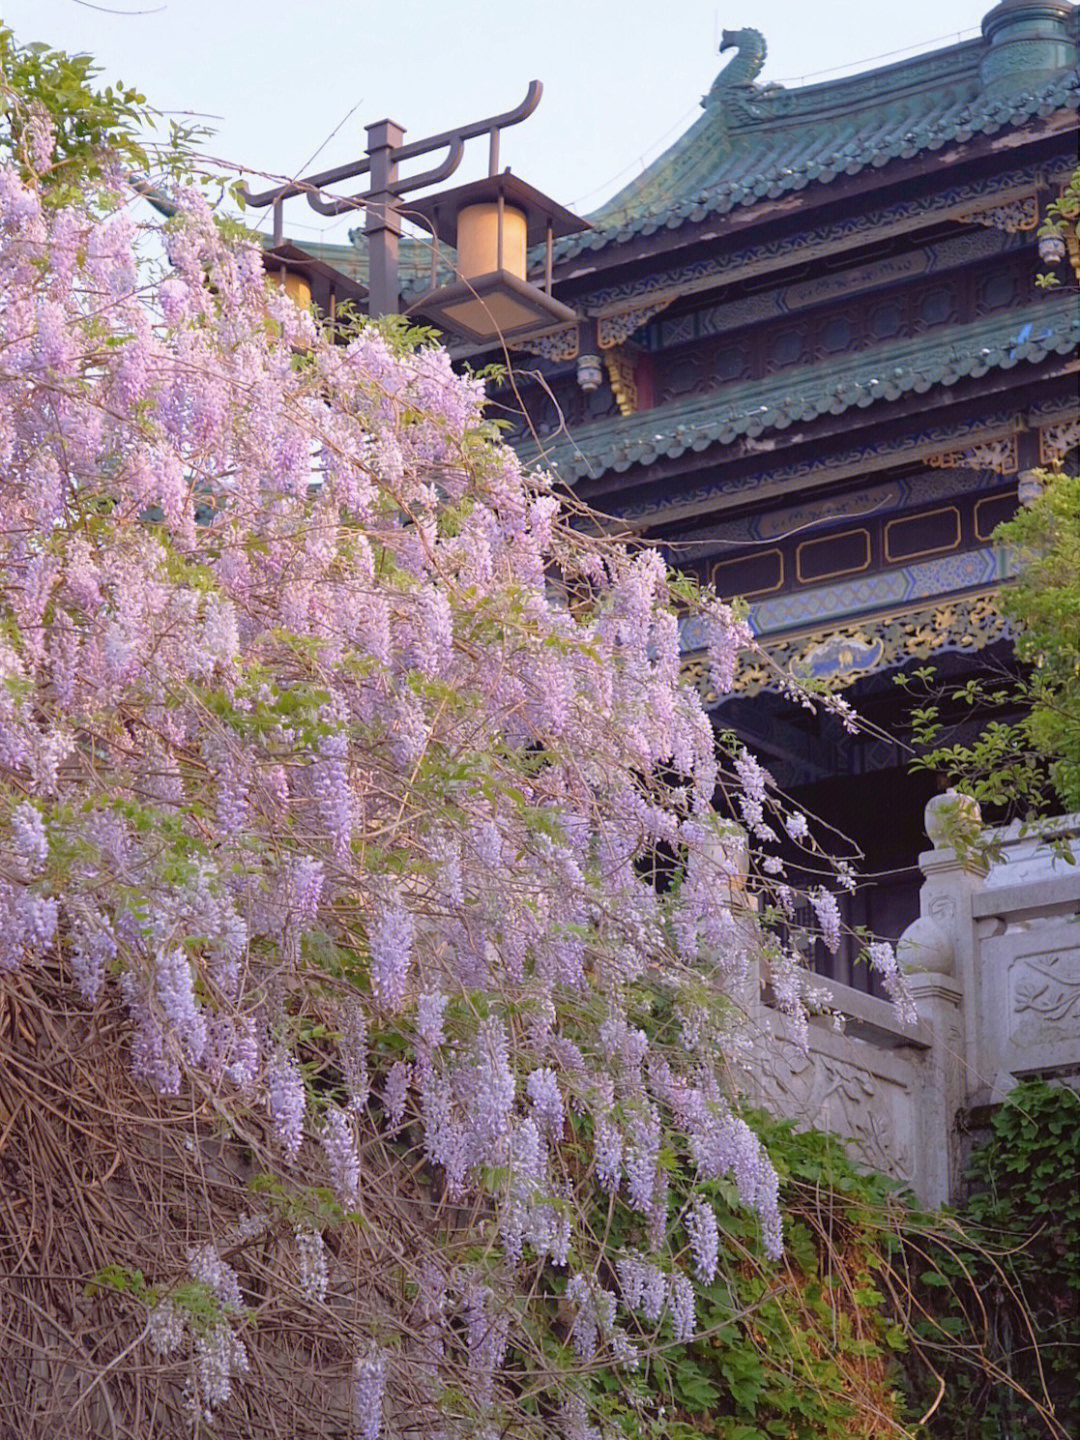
(279, 80)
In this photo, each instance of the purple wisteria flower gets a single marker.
(704, 1239)
(287, 1101)
(429, 1017)
(244, 1066)
(828, 915)
(353, 1053)
(396, 1093)
(28, 833)
(654, 1293)
(883, 959)
(330, 780)
(486, 1336)
(642, 1158)
(391, 940)
(368, 1394)
(542, 1088)
(609, 1153)
(339, 1147)
(682, 1309)
(594, 1315)
(218, 1355)
(724, 638)
(166, 1327)
(311, 1256)
(488, 1090)
(306, 882)
(175, 989)
(207, 1266)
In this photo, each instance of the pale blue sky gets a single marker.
(622, 80)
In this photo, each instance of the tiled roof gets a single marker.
(1051, 325)
(762, 142)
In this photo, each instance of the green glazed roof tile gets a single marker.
(887, 372)
(762, 142)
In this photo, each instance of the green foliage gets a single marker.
(1000, 1297)
(880, 1320)
(1062, 222)
(1046, 603)
(93, 127)
(1033, 763)
(804, 1349)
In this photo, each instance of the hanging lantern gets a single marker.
(1051, 249)
(590, 373)
(492, 224)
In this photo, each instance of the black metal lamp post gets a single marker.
(492, 222)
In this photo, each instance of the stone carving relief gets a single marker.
(1046, 997)
(840, 1096)
(943, 910)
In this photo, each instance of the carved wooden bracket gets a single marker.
(998, 455)
(1055, 442)
(559, 345)
(1012, 217)
(612, 330)
(620, 368)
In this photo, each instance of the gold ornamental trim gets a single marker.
(835, 657)
(620, 368)
(1000, 455)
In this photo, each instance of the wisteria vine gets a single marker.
(335, 755)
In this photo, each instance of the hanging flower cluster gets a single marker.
(337, 760)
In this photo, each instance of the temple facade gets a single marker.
(813, 364)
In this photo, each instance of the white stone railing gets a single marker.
(993, 965)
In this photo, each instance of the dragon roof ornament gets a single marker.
(735, 85)
(759, 142)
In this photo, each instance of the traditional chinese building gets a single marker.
(812, 364)
(821, 362)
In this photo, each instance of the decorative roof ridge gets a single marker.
(865, 88)
(960, 123)
(885, 372)
(759, 142)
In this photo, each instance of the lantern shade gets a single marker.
(480, 246)
(440, 212)
(307, 278)
(1052, 249)
(491, 223)
(495, 306)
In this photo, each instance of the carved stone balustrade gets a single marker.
(993, 965)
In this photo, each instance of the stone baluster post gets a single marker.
(939, 952)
